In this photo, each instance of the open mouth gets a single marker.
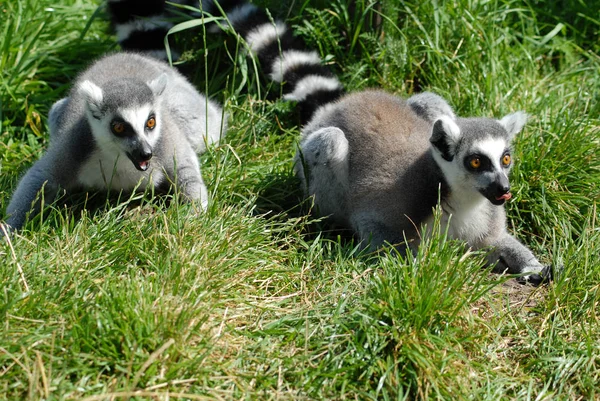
(139, 164)
(495, 198)
(504, 197)
(142, 165)
(499, 200)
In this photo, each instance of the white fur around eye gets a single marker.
(137, 117)
(494, 149)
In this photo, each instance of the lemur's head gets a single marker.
(475, 153)
(124, 116)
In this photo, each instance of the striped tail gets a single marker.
(141, 25)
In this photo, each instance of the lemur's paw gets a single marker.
(544, 277)
(5, 231)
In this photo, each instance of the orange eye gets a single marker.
(475, 163)
(506, 160)
(118, 127)
(151, 123)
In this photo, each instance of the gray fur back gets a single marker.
(388, 157)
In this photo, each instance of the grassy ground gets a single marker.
(252, 300)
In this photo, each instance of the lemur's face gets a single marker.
(134, 131)
(475, 154)
(486, 164)
(124, 117)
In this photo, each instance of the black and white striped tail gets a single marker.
(141, 25)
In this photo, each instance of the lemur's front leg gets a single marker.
(38, 186)
(511, 256)
(189, 179)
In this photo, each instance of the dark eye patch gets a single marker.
(120, 127)
(485, 164)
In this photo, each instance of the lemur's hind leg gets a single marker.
(374, 233)
(203, 121)
(322, 165)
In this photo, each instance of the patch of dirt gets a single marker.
(510, 296)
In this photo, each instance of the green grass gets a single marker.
(255, 299)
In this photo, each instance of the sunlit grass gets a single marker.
(147, 298)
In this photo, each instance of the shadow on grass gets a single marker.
(69, 208)
(583, 27)
(283, 196)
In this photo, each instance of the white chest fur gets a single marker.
(465, 219)
(116, 172)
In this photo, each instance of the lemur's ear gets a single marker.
(159, 84)
(514, 123)
(444, 137)
(93, 96)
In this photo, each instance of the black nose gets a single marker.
(503, 189)
(146, 155)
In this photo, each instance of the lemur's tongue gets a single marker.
(505, 197)
(143, 165)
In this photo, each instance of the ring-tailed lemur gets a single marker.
(282, 56)
(129, 122)
(141, 27)
(379, 164)
(372, 161)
